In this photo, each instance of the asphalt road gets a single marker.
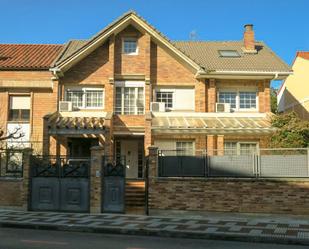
(13, 238)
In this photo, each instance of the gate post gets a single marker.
(153, 162)
(25, 193)
(97, 153)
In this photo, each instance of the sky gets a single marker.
(281, 24)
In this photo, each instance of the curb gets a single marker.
(157, 233)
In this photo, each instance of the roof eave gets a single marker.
(221, 74)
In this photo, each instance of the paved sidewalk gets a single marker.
(257, 228)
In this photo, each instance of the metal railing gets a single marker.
(257, 163)
(59, 166)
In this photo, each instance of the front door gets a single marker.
(129, 148)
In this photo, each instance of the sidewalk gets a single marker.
(277, 229)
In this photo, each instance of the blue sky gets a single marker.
(282, 24)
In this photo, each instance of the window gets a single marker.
(228, 97)
(239, 100)
(229, 53)
(247, 100)
(184, 148)
(19, 108)
(94, 98)
(129, 100)
(240, 148)
(165, 97)
(85, 98)
(76, 97)
(247, 148)
(179, 98)
(130, 46)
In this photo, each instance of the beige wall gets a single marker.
(295, 96)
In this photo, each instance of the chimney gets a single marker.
(249, 43)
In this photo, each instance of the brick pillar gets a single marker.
(264, 96)
(109, 87)
(220, 145)
(200, 96)
(153, 162)
(212, 95)
(148, 135)
(97, 153)
(25, 195)
(148, 88)
(267, 106)
(211, 145)
(108, 135)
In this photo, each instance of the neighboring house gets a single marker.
(129, 87)
(294, 92)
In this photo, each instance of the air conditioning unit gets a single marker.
(223, 107)
(65, 106)
(157, 106)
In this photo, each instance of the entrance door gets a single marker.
(129, 148)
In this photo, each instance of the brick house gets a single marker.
(129, 87)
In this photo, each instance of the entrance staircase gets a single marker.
(135, 194)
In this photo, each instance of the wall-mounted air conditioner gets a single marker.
(157, 106)
(65, 106)
(223, 107)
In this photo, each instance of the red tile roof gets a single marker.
(28, 56)
(303, 54)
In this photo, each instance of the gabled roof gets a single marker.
(28, 56)
(66, 60)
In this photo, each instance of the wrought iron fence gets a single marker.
(258, 163)
(59, 166)
(114, 166)
(11, 163)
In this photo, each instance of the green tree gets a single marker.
(273, 100)
(292, 132)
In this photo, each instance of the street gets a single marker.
(13, 238)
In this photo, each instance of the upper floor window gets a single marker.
(130, 46)
(228, 97)
(84, 98)
(181, 98)
(239, 100)
(165, 97)
(19, 108)
(130, 98)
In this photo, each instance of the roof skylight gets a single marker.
(229, 53)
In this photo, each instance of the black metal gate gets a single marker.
(113, 184)
(59, 184)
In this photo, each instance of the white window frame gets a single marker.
(238, 143)
(237, 91)
(124, 39)
(174, 91)
(129, 84)
(167, 91)
(84, 100)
